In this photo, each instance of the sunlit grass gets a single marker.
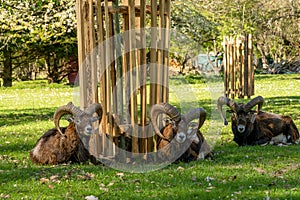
(254, 172)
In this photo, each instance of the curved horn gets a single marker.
(259, 101)
(163, 108)
(196, 113)
(63, 110)
(95, 108)
(226, 101)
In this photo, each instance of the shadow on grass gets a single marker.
(24, 116)
(262, 77)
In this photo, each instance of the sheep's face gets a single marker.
(181, 134)
(84, 123)
(240, 119)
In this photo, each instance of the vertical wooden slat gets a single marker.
(143, 75)
(102, 78)
(228, 67)
(234, 66)
(119, 76)
(93, 79)
(81, 51)
(240, 68)
(133, 98)
(86, 85)
(232, 74)
(153, 54)
(153, 66)
(113, 76)
(160, 52)
(250, 66)
(126, 66)
(225, 59)
(243, 66)
(166, 52)
(110, 150)
(246, 75)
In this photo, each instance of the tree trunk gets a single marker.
(53, 69)
(7, 71)
(263, 56)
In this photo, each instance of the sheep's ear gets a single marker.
(94, 119)
(192, 128)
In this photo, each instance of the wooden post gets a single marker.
(143, 76)
(102, 78)
(153, 54)
(166, 51)
(81, 52)
(238, 66)
(232, 74)
(250, 66)
(225, 60)
(133, 98)
(160, 52)
(246, 63)
(103, 15)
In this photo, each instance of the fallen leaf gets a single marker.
(51, 187)
(4, 196)
(110, 184)
(52, 178)
(44, 180)
(120, 174)
(87, 176)
(210, 188)
(90, 175)
(137, 182)
(259, 170)
(102, 185)
(104, 189)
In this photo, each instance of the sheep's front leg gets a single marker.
(262, 141)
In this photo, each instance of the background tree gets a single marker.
(274, 24)
(194, 32)
(42, 32)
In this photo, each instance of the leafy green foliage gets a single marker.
(37, 32)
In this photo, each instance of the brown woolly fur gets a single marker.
(63, 145)
(54, 148)
(258, 127)
(180, 134)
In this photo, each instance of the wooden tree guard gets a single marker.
(238, 66)
(122, 89)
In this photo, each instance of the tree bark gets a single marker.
(7, 71)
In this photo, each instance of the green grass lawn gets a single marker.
(254, 172)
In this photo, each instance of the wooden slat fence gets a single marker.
(238, 66)
(119, 83)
